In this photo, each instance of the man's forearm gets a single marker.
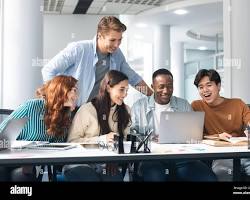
(144, 88)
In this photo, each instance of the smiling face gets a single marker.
(209, 91)
(163, 88)
(109, 42)
(118, 92)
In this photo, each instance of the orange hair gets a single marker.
(57, 117)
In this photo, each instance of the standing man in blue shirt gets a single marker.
(89, 60)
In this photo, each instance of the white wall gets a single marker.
(59, 30)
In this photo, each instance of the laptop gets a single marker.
(10, 133)
(181, 127)
(12, 130)
(51, 146)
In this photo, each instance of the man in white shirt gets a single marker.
(146, 111)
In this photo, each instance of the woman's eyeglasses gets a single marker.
(108, 146)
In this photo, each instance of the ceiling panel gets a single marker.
(68, 9)
(93, 11)
(97, 4)
(101, 6)
(114, 8)
(139, 8)
(70, 3)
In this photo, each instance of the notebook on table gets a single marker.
(224, 141)
(181, 127)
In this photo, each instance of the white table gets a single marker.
(159, 152)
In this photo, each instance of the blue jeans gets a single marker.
(195, 171)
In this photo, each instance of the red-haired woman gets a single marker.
(49, 114)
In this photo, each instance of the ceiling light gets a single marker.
(202, 48)
(180, 12)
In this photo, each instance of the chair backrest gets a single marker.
(4, 113)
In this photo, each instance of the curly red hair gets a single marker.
(57, 117)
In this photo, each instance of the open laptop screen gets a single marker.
(181, 127)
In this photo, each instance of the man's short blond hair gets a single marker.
(109, 23)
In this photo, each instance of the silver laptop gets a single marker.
(52, 146)
(11, 131)
(181, 127)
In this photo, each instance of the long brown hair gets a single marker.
(102, 104)
(57, 117)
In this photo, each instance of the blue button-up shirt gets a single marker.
(79, 60)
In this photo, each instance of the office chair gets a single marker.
(4, 113)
